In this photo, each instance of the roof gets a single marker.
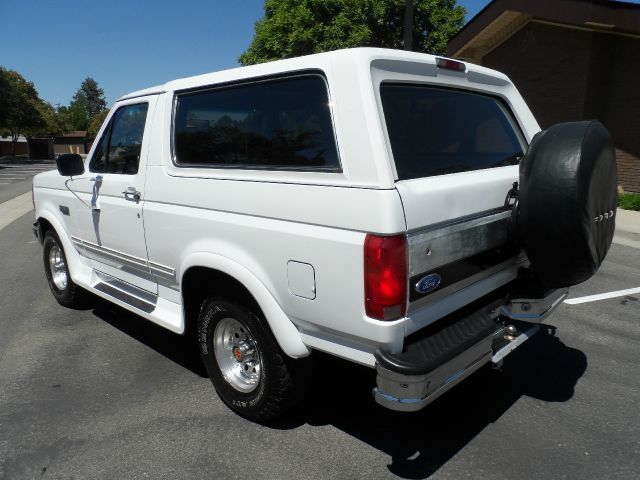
(502, 18)
(361, 56)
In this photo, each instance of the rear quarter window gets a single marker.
(436, 131)
(274, 124)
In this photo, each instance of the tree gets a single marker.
(76, 113)
(87, 103)
(96, 123)
(93, 96)
(292, 28)
(20, 114)
(5, 95)
(56, 122)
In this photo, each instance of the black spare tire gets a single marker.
(567, 201)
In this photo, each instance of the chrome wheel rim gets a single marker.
(58, 268)
(237, 355)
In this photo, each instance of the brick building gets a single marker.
(571, 60)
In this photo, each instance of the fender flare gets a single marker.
(72, 255)
(285, 332)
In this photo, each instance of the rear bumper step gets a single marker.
(431, 365)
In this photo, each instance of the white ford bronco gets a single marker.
(395, 209)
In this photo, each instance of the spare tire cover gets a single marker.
(567, 201)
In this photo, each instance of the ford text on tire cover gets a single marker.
(395, 209)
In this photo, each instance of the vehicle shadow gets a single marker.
(180, 349)
(420, 443)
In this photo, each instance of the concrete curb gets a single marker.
(13, 209)
(628, 221)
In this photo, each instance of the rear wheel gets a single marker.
(250, 372)
(64, 290)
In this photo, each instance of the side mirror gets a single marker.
(70, 165)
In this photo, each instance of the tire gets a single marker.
(567, 202)
(56, 268)
(249, 371)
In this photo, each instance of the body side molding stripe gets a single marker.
(84, 247)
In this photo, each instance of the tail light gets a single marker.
(385, 276)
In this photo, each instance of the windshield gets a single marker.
(435, 131)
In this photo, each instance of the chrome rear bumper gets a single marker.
(409, 393)
(404, 385)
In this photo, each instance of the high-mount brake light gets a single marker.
(449, 64)
(385, 276)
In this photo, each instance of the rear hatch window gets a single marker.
(436, 131)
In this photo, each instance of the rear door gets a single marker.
(109, 229)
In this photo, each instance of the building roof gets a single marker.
(502, 18)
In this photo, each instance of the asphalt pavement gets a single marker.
(16, 175)
(101, 393)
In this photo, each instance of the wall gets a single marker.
(21, 148)
(567, 74)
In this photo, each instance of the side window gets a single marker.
(118, 150)
(277, 124)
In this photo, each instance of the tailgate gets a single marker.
(456, 155)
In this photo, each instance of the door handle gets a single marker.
(131, 194)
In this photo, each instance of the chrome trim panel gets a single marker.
(163, 270)
(114, 255)
(77, 243)
(87, 247)
(428, 314)
(125, 297)
(125, 287)
(517, 261)
(165, 275)
(433, 248)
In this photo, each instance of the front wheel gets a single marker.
(67, 293)
(250, 372)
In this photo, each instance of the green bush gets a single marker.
(629, 201)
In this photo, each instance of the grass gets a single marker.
(629, 201)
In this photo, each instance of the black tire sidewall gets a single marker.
(251, 404)
(567, 179)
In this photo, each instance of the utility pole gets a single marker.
(408, 24)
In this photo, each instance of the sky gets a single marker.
(126, 45)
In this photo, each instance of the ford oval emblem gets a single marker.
(428, 284)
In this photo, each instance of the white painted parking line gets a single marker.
(602, 296)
